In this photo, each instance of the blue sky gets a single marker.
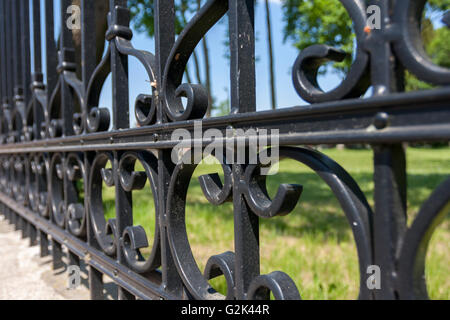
(285, 54)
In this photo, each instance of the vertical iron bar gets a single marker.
(33, 234)
(10, 215)
(14, 219)
(51, 54)
(164, 40)
(243, 99)
(242, 47)
(3, 90)
(24, 228)
(17, 222)
(4, 74)
(88, 45)
(125, 295)
(119, 69)
(8, 59)
(50, 48)
(57, 255)
(95, 276)
(43, 243)
(38, 78)
(17, 101)
(26, 77)
(66, 64)
(390, 212)
(37, 36)
(17, 46)
(389, 162)
(124, 217)
(8, 74)
(26, 66)
(41, 186)
(246, 236)
(9, 51)
(74, 260)
(95, 284)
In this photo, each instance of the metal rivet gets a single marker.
(381, 120)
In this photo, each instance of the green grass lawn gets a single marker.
(313, 244)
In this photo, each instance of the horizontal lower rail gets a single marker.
(134, 283)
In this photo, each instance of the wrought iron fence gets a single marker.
(56, 142)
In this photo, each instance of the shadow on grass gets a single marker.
(318, 212)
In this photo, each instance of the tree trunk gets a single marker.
(271, 61)
(207, 76)
(188, 75)
(184, 20)
(197, 68)
(207, 68)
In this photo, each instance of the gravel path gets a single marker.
(26, 276)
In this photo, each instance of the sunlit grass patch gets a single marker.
(314, 244)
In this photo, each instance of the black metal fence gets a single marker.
(56, 142)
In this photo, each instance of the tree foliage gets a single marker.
(142, 14)
(327, 22)
(319, 22)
